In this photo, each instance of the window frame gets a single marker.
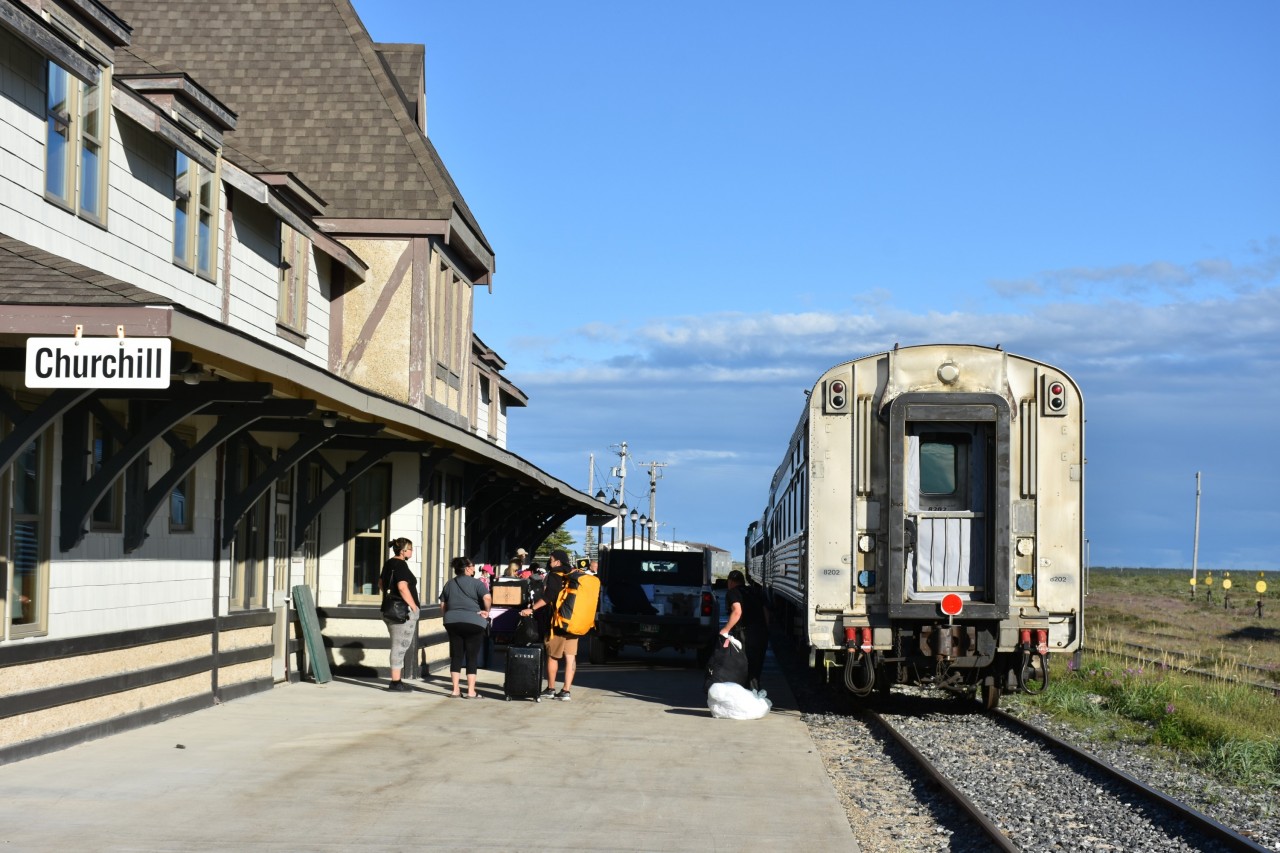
(251, 545)
(197, 194)
(113, 499)
(294, 277)
(41, 446)
(79, 100)
(187, 435)
(381, 535)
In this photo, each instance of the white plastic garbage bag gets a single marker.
(729, 701)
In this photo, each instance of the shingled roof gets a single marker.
(33, 276)
(312, 96)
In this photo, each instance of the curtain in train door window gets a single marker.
(946, 487)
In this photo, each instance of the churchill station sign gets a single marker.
(98, 362)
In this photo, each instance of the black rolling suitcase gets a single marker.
(523, 678)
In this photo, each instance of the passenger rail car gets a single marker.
(926, 524)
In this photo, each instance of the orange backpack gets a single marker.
(575, 612)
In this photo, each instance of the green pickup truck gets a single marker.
(655, 600)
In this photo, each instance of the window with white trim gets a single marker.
(25, 512)
(195, 207)
(368, 508)
(76, 117)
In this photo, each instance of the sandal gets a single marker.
(476, 696)
(455, 695)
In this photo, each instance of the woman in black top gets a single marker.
(396, 579)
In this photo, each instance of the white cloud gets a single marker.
(1169, 388)
(1154, 279)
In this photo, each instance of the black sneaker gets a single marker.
(549, 693)
(399, 687)
(563, 696)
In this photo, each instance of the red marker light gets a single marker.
(1056, 388)
(837, 387)
(952, 604)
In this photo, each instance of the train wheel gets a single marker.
(990, 696)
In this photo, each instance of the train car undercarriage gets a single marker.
(959, 658)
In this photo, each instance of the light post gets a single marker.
(651, 526)
(600, 496)
(644, 528)
(622, 517)
(635, 516)
(613, 502)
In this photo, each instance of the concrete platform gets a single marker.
(348, 766)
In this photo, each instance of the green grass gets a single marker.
(1228, 731)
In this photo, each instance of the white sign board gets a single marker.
(98, 362)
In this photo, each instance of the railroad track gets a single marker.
(1148, 654)
(1029, 791)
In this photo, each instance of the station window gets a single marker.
(368, 507)
(75, 142)
(104, 445)
(182, 498)
(26, 575)
(291, 308)
(251, 543)
(195, 227)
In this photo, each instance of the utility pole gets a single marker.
(654, 473)
(591, 482)
(1195, 547)
(621, 473)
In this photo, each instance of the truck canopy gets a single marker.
(677, 568)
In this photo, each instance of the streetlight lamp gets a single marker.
(635, 516)
(651, 527)
(644, 527)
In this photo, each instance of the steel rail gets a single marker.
(993, 832)
(1152, 658)
(1206, 824)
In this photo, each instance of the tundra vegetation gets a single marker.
(1195, 677)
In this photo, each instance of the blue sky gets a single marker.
(697, 207)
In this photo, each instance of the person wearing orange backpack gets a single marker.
(574, 600)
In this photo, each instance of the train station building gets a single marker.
(237, 357)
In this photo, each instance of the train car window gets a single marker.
(938, 457)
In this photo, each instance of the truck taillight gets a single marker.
(707, 603)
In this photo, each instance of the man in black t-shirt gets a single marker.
(749, 622)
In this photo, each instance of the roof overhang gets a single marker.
(240, 357)
(457, 234)
(57, 38)
(265, 193)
